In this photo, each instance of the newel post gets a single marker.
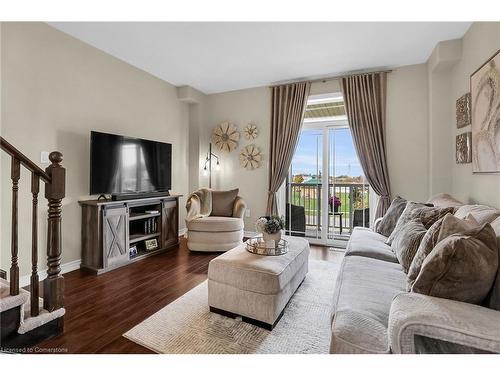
(53, 285)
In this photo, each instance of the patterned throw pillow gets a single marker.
(428, 216)
(389, 220)
(407, 241)
(461, 267)
(430, 240)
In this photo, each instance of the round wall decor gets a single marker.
(226, 137)
(250, 157)
(251, 132)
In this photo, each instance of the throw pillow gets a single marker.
(406, 242)
(223, 202)
(445, 200)
(428, 216)
(494, 297)
(483, 214)
(461, 267)
(389, 220)
(430, 240)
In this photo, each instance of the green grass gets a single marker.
(310, 204)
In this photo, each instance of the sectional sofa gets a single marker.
(374, 313)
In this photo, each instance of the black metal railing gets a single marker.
(352, 211)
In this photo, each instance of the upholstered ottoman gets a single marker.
(256, 287)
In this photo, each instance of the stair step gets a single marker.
(27, 322)
(7, 301)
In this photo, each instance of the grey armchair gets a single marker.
(217, 226)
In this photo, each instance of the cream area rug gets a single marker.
(187, 326)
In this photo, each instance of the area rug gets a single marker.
(186, 326)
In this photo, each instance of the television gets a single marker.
(127, 167)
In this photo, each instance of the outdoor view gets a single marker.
(347, 191)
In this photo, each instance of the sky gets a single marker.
(309, 153)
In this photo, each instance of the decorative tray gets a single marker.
(256, 245)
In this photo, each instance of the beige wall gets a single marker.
(406, 136)
(55, 89)
(406, 132)
(480, 42)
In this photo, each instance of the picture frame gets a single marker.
(132, 251)
(463, 111)
(151, 244)
(485, 116)
(463, 148)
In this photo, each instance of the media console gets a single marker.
(115, 233)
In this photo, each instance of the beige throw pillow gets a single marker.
(223, 202)
(391, 217)
(461, 267)
(407, 241)
(428, 216)
(430, 240)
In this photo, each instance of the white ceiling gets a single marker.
(215, 57)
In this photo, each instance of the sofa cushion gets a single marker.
(389, 220)
(256, 273)
(493, 301)
(216, 224)
(483, 214)
(367, 243)
(362, 300)
(461, 267)
(407, 241)
(430, 240)
(444, 200)
(223, 202)
(428, 216)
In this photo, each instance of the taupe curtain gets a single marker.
(365, 98)
(288, 103)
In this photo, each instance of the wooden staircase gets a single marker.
(25, 318)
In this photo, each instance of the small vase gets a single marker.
(271, 239)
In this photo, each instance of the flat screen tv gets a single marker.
(126, 166)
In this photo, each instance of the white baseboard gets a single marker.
(42, 274)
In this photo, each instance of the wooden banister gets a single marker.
(54, 178)
(24, 160)
(34, 280)
(53, 285)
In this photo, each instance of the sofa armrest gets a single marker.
(239, 207)
(465, 324)
(193, 207)
(376, 223)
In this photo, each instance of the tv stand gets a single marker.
(111, 229)
(129, 196)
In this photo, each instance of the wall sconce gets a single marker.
(207, 169)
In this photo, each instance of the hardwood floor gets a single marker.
(99, 309)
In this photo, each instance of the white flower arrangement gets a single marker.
(260, 224)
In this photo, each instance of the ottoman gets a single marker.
(256, 287)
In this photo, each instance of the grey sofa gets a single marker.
(373, 313)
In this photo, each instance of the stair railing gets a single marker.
(54, 178)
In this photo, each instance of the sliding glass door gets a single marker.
(327, 195)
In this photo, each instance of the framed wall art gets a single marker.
(485, 113)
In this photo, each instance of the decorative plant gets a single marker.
(270, 224)
(334, 202)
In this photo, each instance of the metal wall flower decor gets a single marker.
(226, 137)
(250, 157)
(251, 132)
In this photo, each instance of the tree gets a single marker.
(298, 179)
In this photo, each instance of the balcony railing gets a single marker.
(352, 211)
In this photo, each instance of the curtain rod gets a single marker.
(331, 78)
